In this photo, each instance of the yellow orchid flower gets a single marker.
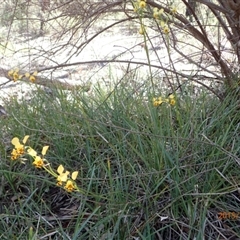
(19, 149)
(63, 176)
(70, 186)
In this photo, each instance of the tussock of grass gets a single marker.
(172, 169)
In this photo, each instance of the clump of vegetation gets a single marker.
(144, 169)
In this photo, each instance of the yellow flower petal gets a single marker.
(10, 73)
(32, 152)
(15, 76)
(25, 139)
(63, 177)
(166, 30)
(27, 75)
(60, 169)
(74, 175)
(155, 14)
(162, 24)
(15, 142)
(44, 150)
(142, 30)
(172, 102)
(14, 154)
(32, 78)
(174, 10)
(142, 4)
(161, 11)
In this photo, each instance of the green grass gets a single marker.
(172, 169)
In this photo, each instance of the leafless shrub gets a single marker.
(203, 42)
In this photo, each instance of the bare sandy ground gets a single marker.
(91, 66)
